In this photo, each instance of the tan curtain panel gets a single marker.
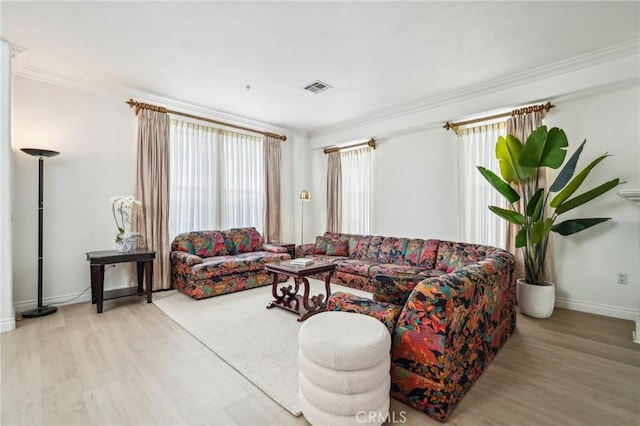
(521, 126)
(272, 166)
(334, 192)
(152, 189)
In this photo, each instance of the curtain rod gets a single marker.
(371, 142)
(141, 105)
(526, 110)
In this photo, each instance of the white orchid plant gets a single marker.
(122, 207)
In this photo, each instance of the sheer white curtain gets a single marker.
(242, 189)
(193, 178)
(356, 190)
(477, 148)
(216, 179)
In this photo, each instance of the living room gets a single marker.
(69, 83)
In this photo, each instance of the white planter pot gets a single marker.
(536, 300)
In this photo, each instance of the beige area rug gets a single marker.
(259, 343)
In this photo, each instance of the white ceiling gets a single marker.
(376, 55)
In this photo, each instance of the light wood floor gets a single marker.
(132, 365)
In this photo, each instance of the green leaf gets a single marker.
(573, 185)
(544, 149)
(521, 238)
(572, 226)
(508, 215)
(503, 188)
(533, 147)
(587, 196)
(567, 171)
(508, 152)
(539, 230)
(535, 204)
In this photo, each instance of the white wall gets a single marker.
(7, 313)
(414, 187)
(416, 190)
(586, 263)
(414, 180)
(96, 136)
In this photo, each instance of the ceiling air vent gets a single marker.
(317, 87)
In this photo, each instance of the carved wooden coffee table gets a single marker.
(287, 297)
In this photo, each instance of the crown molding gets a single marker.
(597, 57)
(23, 68)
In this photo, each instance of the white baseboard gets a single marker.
(561, 302)
(598, 308)
(67, 299)
(7, 324)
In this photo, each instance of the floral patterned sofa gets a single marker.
(449, 307)
(210, 263)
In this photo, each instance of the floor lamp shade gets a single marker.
(304, 196)
(41, 154)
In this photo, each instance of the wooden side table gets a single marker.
(98, 259)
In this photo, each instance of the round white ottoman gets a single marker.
(344, 369)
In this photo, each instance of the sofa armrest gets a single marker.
(387, 313)
(305, 249)
(447, 320)
(394, 289)
(185, 258)
(274, 249)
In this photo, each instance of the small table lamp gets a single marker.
(304, 196)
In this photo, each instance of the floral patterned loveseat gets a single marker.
(210, 263)
(449, 306)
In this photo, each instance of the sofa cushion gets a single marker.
(201, 243)
(321, 245)
(453, 255)
(243, 240)
(374, 248)
(393, 269)
(392, 250)
(428, 273)
(394, 289)
(219, 266)
(337, 247)
(387, 313)
(361, 248)
(327, 258)
(354, 266)
(413, 251)
(429, 254)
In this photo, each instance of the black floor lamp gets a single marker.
(40, 311)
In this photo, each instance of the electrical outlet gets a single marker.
(622, 277)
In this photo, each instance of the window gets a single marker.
(356, 190)
(477, 148)
(216, 179)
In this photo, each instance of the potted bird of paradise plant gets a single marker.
(535, 210)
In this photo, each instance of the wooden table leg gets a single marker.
(94, 284)
(140, 270)
(97, 279)
(285, 296)
(318, 303)
(148, 271)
